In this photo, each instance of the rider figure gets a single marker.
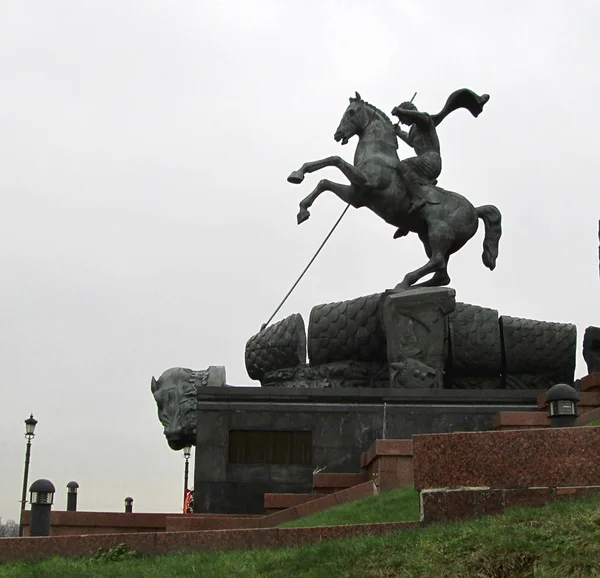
(427, 165)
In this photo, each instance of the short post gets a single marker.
(41, 499)
(562, 402)
(72, 496)
(128, 505)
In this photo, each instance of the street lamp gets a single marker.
(30, 424)
(187, 452)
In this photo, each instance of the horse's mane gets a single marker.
(376, 110)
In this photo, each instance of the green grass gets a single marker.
(400, 505)
(561, 540)
(593, 422)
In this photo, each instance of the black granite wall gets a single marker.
(343, 422)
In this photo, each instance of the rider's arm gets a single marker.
(420, 118)
(401, 133)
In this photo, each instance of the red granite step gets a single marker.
(449, 505)
(520, 420)
(275, 502)
(329, 483)
(590, 382)
(161, 543)
(588, 400)
(391, 462)
(386, 448)
(588, 416)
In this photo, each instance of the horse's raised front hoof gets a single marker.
(302, 216)
(400, 232)
(296, 178)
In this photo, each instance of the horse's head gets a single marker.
(355, 120)
(175, 396)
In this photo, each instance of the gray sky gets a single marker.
(147, 222)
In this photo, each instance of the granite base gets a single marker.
(343, 424)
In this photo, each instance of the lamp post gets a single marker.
(187, 452)
(30, 424)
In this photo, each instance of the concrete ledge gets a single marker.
(156, 544)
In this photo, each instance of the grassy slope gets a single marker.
(557, 541)
(400, 505)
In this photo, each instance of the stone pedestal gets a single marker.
(416, 330)
(342, 423)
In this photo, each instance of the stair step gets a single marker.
(587, 400)
(520, 420)
(275, 502)
(588, 416)
(328, 483)
(590, 382)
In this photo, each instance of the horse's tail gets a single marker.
(492, 220)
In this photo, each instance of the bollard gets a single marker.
(128, 505)
(72, 496)
(562, 402)
(41, 499)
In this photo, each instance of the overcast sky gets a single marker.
(147, 222)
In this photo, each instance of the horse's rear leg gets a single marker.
(440, 241)
(440, 279)
(436, 263)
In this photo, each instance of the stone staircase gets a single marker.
(288, 507)
(386, 465)
(323, 484)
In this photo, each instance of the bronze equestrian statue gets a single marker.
(405, 193)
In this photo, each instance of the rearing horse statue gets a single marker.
(444, 223)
